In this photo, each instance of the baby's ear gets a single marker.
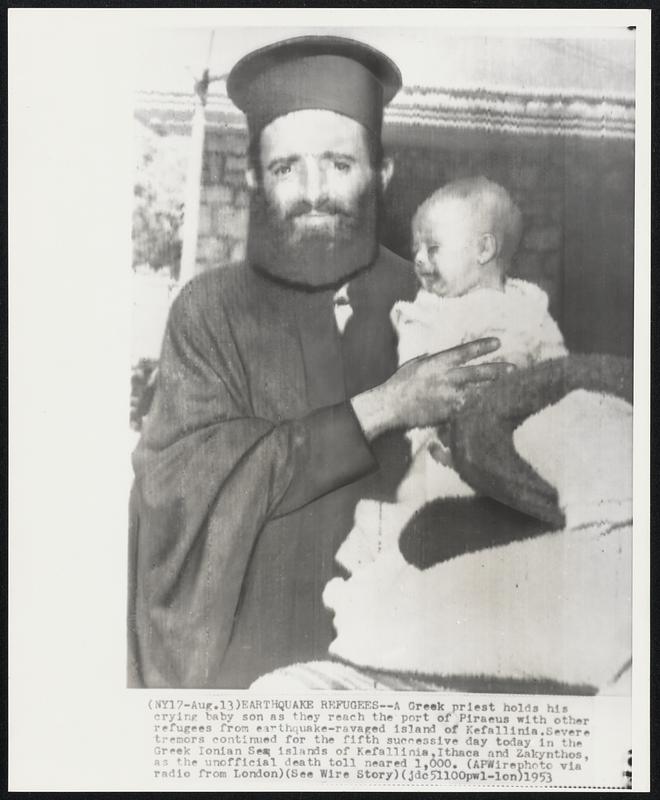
(487, 248)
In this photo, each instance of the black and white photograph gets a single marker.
(355, 492)
(386, 430)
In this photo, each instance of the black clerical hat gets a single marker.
(322, 72)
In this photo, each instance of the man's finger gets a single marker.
(473, 389)
(480, 372)
(466, 352)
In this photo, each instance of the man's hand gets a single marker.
(428, 389)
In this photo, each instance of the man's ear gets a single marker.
(386, 172)
(487, 248)
(251, 179)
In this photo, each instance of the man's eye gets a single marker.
(342, 166)
(282, 169)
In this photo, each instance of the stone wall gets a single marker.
(576, 198)
(223, 212)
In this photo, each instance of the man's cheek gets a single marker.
(353, 194)
(279, 201)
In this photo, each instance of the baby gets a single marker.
(464, 238)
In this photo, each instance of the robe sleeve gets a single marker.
(209, 476)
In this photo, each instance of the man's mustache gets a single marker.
(323, 206)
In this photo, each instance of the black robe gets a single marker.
(248, 472)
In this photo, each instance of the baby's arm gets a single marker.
(439, 448)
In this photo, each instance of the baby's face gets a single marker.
(445, 247)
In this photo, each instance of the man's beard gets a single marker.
(312, 257)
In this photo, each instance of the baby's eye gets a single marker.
(432, 249)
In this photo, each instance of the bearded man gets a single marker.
(278, 405)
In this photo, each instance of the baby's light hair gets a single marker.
(490, 200)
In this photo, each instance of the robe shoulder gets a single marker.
(401, 274)
(393, 260)
(216, 286)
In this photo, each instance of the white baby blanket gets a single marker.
(556, 607)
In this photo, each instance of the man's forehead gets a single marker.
(313, 131)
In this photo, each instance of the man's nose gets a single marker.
(313, 183)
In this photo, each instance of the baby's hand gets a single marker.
(440, 453)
